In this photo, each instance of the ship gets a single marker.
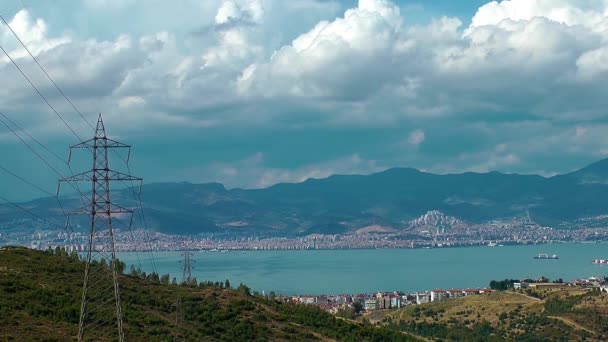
(600, 261)
(546, 256)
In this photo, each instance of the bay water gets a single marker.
(370, 270)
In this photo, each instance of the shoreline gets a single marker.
(454, 246)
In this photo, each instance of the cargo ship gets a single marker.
(600, 261)
(547, 256)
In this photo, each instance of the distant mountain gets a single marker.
(596, 173)
(393, 199)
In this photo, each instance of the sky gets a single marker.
(250, 93)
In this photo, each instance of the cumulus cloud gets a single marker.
(330, 59)
(32, 32)
(367, 64)
(542, 64)
(516, 55)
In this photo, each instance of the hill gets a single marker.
(40, 301)
(563, 314)
(393, 199)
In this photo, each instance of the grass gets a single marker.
(563, 314)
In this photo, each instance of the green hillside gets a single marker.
(565, 314)
(40, 301)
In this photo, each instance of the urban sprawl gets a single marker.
(365, 303)
(423, 237)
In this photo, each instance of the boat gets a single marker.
(547, 256)
(600, 261)
(491, 244)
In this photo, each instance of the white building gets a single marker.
(438, 295)
(422, 298)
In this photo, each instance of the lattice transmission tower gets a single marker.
(101, 310)
(187, 274)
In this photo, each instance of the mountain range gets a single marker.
(395, 198)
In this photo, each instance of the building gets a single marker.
(321, 300)
(307, 300)
(522, 285)
(371, 304)
(470, 292)
(455, 293)
(547, 285)
(395, 302)
(385, 302)
(438, 295)
(422, 298)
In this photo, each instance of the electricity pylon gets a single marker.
(187, 275)
(178, 321)
(101, 308)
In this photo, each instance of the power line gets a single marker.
(56, 196)
(40, 93)
(30, 212)
(137, 197)
(31, 148)
(43, 160)
(25, 181)
(45, 73)
(33, 139)
(41, 189)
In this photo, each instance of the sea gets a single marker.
(354, 271)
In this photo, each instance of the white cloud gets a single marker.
(231, 11)
(330, 59)
(252, 172)
(368, 65)
(262, 63)
(515, 56)
(569, 12)
(33, 32)
(416, 137)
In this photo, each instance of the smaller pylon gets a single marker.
(187, 274)
(178, 336)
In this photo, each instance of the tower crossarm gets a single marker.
(100, 143)
(113, 210)
(91, 175)
(107, 142)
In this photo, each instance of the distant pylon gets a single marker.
(101, 309)
(178, 321)
(187, 275)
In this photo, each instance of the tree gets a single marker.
(120, 266)
(135, 272)
(244, 289)
(227, 284)
(165, 279)
(357, 307)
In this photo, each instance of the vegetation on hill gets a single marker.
(40, 300)
(560, 315)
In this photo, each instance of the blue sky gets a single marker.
(250, 93)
